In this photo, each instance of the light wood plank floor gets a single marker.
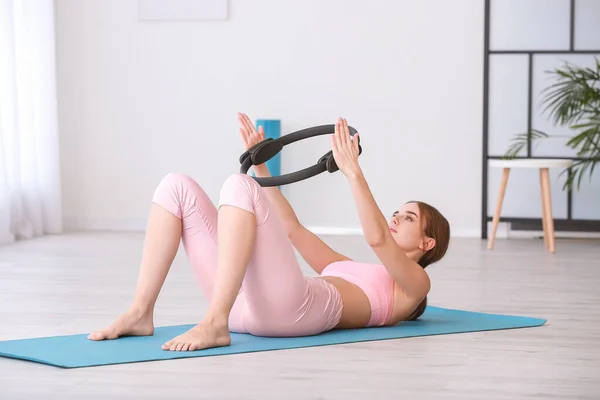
(74, 283)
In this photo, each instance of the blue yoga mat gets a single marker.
(77, 351)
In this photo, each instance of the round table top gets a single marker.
(531, 163)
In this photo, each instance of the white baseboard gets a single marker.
(466, 233)
(330, 230)
(558, 235)
(105, 224)
(504, 232)
(139, 225)
(327, 230)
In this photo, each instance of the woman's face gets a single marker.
(406, 227)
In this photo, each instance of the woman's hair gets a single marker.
(435, 226)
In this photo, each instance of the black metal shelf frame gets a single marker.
(568, 224)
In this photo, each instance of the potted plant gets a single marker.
(572, 101)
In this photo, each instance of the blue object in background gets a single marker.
(272, 129)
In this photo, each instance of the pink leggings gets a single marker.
(276, 298)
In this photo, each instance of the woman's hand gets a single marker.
(250, 136)
(345, 149)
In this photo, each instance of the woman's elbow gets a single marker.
(376, 240)
(292, 228)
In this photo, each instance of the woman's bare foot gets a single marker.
(205, 335)
(131, 323)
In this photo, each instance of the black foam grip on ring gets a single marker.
(268, 148)
(265, 152)
(252, 149)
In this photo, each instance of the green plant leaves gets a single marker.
(521, 140)
(573, 101)
(575, 89)
(577, 171)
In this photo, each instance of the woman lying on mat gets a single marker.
(252, 277)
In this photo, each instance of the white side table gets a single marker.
(543, 165)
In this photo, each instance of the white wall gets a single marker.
(140, 99)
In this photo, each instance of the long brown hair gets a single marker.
(435, 226)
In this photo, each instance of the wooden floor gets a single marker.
(78, 282)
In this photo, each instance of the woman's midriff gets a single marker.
(357, 309)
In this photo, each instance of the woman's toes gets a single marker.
(179, 346)
(186, 347)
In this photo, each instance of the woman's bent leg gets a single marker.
(162, 240)
(255, 253)
(185, 199)
(236, 232)
(181, 211)
(280, 300)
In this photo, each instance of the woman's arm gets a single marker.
(407, 273)
(312, 249)
(278, 200)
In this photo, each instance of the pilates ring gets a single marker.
(269, 148)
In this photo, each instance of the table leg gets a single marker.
(548, 208)
(544, 221)
(496, 219)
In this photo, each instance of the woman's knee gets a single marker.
(176, 179)
(175, 182)
(175, 190)
(241, 182)
(242, 191)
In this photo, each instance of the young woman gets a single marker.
(243, 258)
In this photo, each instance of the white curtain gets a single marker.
(30, 200)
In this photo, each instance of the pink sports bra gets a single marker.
(374, 280)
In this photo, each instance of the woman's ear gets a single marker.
(428, 244)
